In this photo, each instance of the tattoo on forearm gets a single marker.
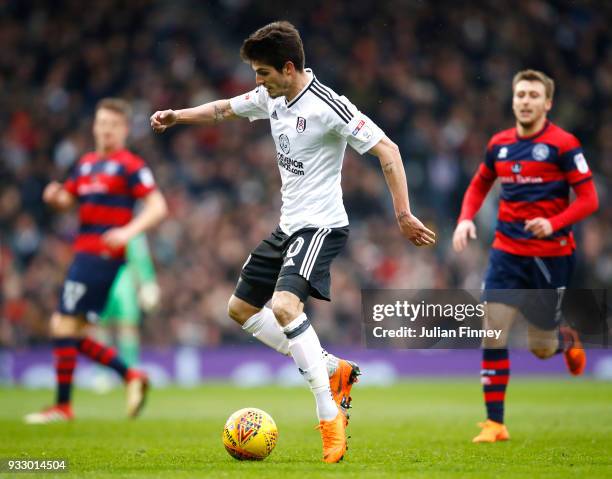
(218, 114)
(387, 167)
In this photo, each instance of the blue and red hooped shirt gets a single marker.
(536, 173)
(107, 187)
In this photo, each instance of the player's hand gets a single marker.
(412, 228)
(51, 192)
(149, 296)
(160, 120)
(465, 230)
(539, 227)
(116, 238)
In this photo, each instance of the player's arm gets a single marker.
(577, 173)
(585, 204)
(154, 210)
(206, 114)
(56, 196)
(393, 168)
(472, 201)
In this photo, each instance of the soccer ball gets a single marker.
(250, 434)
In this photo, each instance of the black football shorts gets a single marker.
(307, 252)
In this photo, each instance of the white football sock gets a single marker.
(264, 327)
(306, 351)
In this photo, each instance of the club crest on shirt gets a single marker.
(540, 151)
(111, 168)
(516, 168)
(283, 141)
(85, 169)
(300, 126)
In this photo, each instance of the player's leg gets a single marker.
(309, 255)
(306, 272)
(104, 331)
(259, 321)
(305, 350)
(136, 381)
(505, 279)
(545, 344)
(547, 336)
(305, 347)
(86, 293)
(542, 343)
(263, 326)
(66, 332)
(247, 306)
(255, 288)
(495, 371)
(67, 329)
(122, 310)
(99, 350)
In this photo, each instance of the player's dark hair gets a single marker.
(275, 44)
(536, 75)
(117, 105)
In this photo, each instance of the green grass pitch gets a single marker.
(559, 428)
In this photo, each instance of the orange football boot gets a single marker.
(575, 357)
(334, 438)
(341, 381)
(492, 432)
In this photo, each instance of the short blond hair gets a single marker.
(536, 75)
(118, 105)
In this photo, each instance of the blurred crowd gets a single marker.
(436, 76)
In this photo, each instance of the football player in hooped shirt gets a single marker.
(105, 184)
(311, 126)
(537, 163)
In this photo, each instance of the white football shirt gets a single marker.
(310, 133)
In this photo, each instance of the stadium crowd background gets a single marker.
(434, 75)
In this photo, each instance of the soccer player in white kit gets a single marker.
(311, 126)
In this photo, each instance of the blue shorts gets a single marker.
(509, 277)
(87, 286)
